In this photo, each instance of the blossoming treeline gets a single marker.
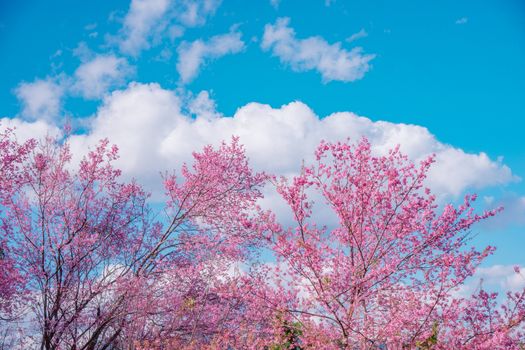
(85, 263)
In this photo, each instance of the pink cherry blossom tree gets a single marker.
(86, 263)
(12, 156)
(214, 226)
(101, 273)
(386, 274)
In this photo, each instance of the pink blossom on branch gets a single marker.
(98, 268)
(12, 157)
(100, 272)
(386, 274)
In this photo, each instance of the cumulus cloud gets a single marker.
(148, 20)
(192, 55)
(293, 131)
(136, 120)
(203, 107)
(458, 170)
(154, 134)
(96, 76)
(331, 60)
(25, 130)
(41, 99)
(157, 130)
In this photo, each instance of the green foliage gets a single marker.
(291, 333)
(432, 340)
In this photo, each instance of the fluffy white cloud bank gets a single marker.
(147, 21)
(41, 99)
(136, 120)
(96, 76)
(193, 55)
(331, 60)
(25, 130)
(155, 133)
(203, 106)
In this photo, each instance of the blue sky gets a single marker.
(456, 68)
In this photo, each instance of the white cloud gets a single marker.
(499, 278)
(331, 60)
(40, 99)
(24, 130)
(194, 13)
(275, 3)
(147, 21)
(136, 120)
(203, 107)
(462, 20)
(140, 23)
(153, 134)
(457, 170)
(504, 276)
(96, 76)
(360, 34)
(83, 52)
(192, 55)
(175, 32)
